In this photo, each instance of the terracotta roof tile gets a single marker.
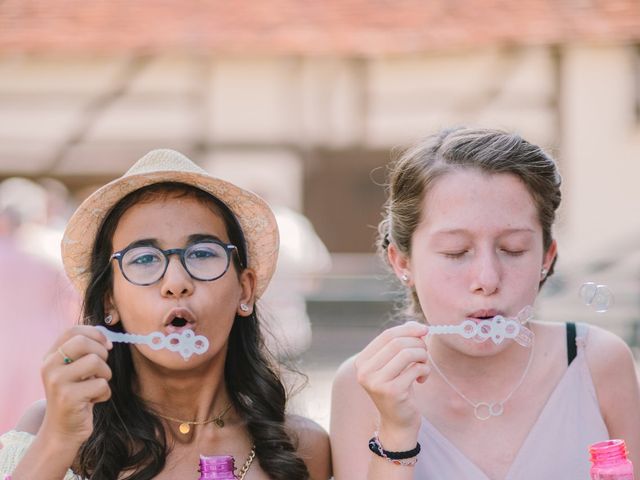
(307, 26)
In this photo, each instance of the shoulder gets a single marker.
(306, 430)
(32, 419)
(353, 413)
(608, 355)
(313, 445)
(346, 374)
(605, 350)
(346, 382)
(347, 391)
(612, 369)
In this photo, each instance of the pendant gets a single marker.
(184, 428)
(484, 410)
(219, 422)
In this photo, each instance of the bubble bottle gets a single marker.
(217, 467)
(609, 461)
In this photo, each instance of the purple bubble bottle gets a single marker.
(217, 467)
(609, 461)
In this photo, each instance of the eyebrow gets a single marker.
(203, 237)
(462, 231)
(191, 239)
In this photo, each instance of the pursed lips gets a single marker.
(179, 319)
(480, 315)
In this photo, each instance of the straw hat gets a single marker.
(255, 217)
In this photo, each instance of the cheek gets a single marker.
(438, 293)
(220, 299)
(131, 302)
(522, 284)
(524, 272)
(220, 305)
(440, 277)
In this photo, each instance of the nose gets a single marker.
(486, 274)
(176, 281)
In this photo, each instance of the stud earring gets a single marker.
(404, 277)
(244, 307)
(108, 320)
(543, 273)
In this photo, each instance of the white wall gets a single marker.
(600, 148)
(582, 108)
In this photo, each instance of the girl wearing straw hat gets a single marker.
(169, 363)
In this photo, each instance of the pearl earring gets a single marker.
(108, 320)
(543, 273)
(244, 307)
(404, 277)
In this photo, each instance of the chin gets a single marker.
(474, 349)
(167, 359)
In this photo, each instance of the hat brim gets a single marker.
(255, 217)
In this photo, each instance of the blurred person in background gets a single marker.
(303, 256)
(467, 229)
(37, 300)
(43, 237)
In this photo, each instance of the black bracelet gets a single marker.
(376, 447)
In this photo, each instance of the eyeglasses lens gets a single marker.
(204, 261)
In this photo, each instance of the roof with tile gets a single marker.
(358, 27)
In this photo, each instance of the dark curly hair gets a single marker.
(127, 435)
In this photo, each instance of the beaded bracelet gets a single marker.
(406, 458)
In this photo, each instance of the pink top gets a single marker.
(557, 445)
(37, 304)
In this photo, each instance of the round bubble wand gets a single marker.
(185, 343)
(497, 329)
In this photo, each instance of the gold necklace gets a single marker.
(185, 425)
(245, 468)
(484, 410)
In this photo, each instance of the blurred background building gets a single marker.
(311, 98)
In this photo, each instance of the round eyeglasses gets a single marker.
(145, 265)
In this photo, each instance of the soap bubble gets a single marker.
(599, 297)
(603, 299)
(588, 292)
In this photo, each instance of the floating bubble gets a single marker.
(603, 299)
(599, 297)
(588, 292)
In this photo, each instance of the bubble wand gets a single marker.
(185, 343)
(497, 329)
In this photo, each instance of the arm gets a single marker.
(614, 376)
(313, 446)
(71, 390)
(32, 418)
(375, 392)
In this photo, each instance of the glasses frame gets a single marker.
(228, 248)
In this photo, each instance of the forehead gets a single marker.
(169, 219)
(469, 198)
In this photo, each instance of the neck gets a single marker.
(196, 394)
(487, 392)
(486, 371)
